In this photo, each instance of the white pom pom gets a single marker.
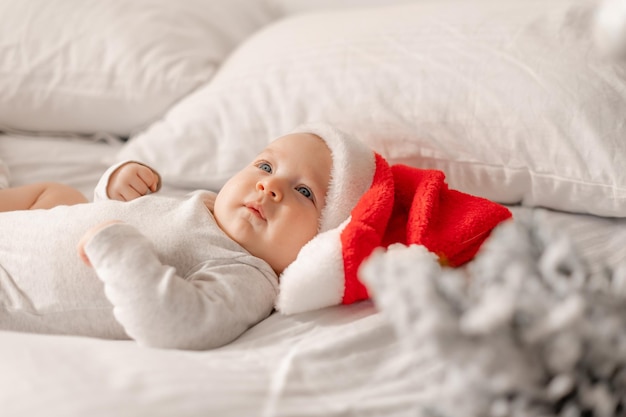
(610, 28)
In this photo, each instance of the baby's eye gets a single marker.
(305, 191)
(264, 166)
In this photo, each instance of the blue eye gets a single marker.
(305, 192)
(264, 166)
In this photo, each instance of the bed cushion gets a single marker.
(510, 99)
(87, 65)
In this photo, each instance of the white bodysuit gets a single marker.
(168, 277)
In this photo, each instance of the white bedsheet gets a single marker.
(75, 161)
(340, 361)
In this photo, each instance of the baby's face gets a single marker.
(273, 206)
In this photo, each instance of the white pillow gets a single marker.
(114, 65)
(289, 7)
(509, 99)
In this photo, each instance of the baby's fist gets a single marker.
(132, 180)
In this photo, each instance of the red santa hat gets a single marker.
(370, 204)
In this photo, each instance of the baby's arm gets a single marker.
(209, 308)
(127, 181)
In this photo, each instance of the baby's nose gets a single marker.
(271, 188)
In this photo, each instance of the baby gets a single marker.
(191, 273)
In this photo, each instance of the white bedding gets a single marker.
(333, 362)
(530, 115)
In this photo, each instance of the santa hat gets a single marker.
(370, 204)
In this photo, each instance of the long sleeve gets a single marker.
(216, 302)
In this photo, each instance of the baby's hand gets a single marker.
(87, 237)
(132, 180)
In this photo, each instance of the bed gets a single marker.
(516, 101)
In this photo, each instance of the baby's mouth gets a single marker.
(256, 210)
